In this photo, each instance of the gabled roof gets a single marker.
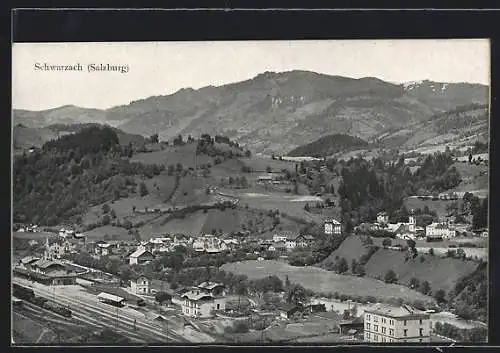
(42, 263)
(112, 297)
(394, 311)
(209, 285)
(140, 252)
(334, 221)
(29, 259)
(191, 295)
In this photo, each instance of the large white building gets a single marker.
(439, 230)
(399, 324)
(204, 300)
(333, 227)
(140, 285)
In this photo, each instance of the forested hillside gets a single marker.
(328, 145)
(60, 181)
(369, 187)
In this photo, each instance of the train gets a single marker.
(28, 294)
(22, 292)
(57, 308)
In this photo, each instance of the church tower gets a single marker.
(47, 253)
(412, 223)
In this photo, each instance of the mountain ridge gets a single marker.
(276, 111)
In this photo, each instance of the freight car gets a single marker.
(39, 301)
(57, 308)
(22, 292)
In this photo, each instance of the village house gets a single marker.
(304, 240)
(204, 300)
(140, 256)
(439, 230)
(278, 238)
(66, 233)
(104, 249)
(140, 285)
(286, 311)
(385, 323)
(278, 247)
(332, 227)
(290, 243)
(382, 218)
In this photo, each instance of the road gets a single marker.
(94, 312)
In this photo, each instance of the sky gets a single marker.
(162, 68)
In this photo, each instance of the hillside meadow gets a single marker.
(320, 280)
(440, 272)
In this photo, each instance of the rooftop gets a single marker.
(29, 259)
(139, 252)
(192, 295)
(108, 296)
(394, 311)
(42, 263)
(210, 285)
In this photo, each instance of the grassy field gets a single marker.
(39, 236)
(351, 249)
(439, 205)
(200, 222)
(186, 155)
(320, 280)
(260, 164)
(292, 205)
(442, 273)
(115, 233)
(26, 330)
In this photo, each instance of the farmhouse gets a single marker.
(304, 240)
(332, 227)
(286, 311)
(140, 256)
(440, 230)
(382, 218)
(385, 323)
(140, 285)
(203, 300)
(104, 249)
(290, 243)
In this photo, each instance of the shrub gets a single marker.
(390, 277)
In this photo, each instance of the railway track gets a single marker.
(108, 316)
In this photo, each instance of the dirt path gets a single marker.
(44, 331)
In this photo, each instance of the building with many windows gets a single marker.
(385, 323)
(204, 300)
(332, 227)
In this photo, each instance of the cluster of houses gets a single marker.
(287, 241)
(31, 228)
(270, 179)
(47, 269)
(445, 229)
